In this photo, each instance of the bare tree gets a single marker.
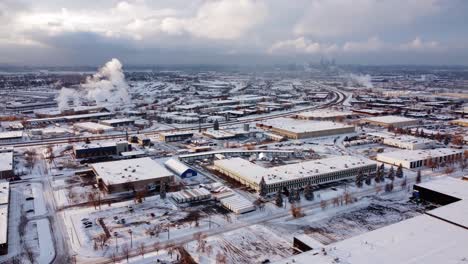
(323, 204)
(141, 249)
(296, 212)
(126, 251)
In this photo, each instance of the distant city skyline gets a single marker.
(229, 32)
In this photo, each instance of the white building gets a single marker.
(295, 175)
(11, 136)
(390, 120)
(409, 142)
(298, 129)
(131, 174)
(4, 208)
(237, 204)
(6, 165)
(418, 158)
(325, 114)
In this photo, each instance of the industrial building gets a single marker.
(409, 142)
(117, 122)
(237, 204)
(295, 175)
(131, 174)
(191, 195)
(94, 150)
(4, 210)
(390, 120)
(6, 165)
(437, 236)
(419, 158)
(180, 169)
(11, 136)
(175, 136)
(325, 115)
(299, 129)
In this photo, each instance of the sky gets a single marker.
(245, 32)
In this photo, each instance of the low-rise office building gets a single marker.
(409, 142)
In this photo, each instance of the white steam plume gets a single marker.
(107, 88)
(362, 80)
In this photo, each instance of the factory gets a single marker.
(131, 174)
(390, 121)
(4, 209)
(100, 149)
(295, 175)
(411, 159)
(325, 115)
(300, 129)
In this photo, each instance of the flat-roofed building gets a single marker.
(11, 136)
(6, 165)
(419, 158)
(131, 174)
(117, 122)
(390, 120)
(299, 129)
(325, 115)
(409, 142)
(103, 149)
(175, 136)
(4, 209)
(295, 175)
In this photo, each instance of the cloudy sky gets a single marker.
(89, 32)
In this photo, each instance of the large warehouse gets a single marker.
(390, 120)
(298, 129)
(295, 175)
(418, 158)
(131, 174)
(437, 236)
(325, 114)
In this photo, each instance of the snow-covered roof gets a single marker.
(302, 126)
(390, 119)
(11, 134)
(177, 166)
(4, 194)
(324, 113)
(416, 155)
(130, 170)
(6, 161)
(421, 239)
(291, 171)
(448, 186)
(93, 126)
